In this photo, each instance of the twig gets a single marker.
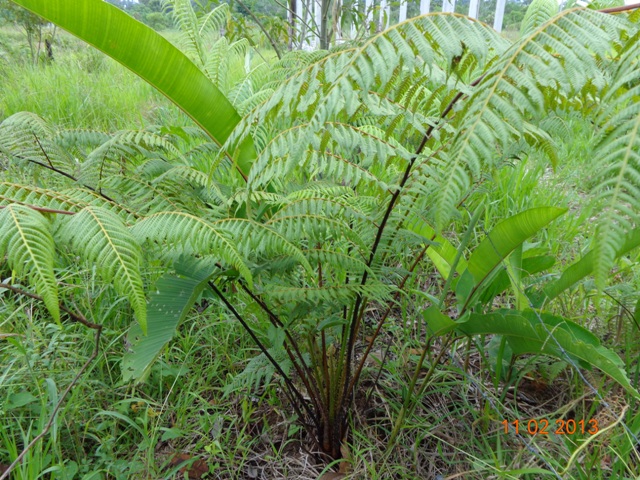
(42, 209)
(64, 174)
(77, 318)
(271, 41)
(623, 8)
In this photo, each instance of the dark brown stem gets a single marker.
(296, 398)
(360, 304)
(623, 8)
(64, 174)
(372, 340)
(42, 209)
(76, 317)
(43, 151)
(275, 320)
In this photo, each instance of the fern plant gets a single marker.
(350, 167)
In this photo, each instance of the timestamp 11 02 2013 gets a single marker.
(543, 426)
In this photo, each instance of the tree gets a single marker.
(31, 24)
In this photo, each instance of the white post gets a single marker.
(474, 8)
(497, 24)
(425, 6)
(448, 5)
(384, 8)
(403, 11)
(368, 10)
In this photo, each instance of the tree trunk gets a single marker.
(324, 24)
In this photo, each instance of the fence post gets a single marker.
(474, 8)
(448, 5)
(497, 24)
(384, 9)
(403, 11)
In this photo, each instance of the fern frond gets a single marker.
(26, 240)
(121, 152)
(555, 61)
(617, 154)
(186, 21)
(319, 229)
(214, 21)
(192, 234)
(538, 13)
(92, 198)
(26, 137)
(337, 294)
(27, 195)
(146, 198)
(103, 240)
(254, 239)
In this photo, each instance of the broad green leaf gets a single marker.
(506, 236)
(169, 304)
(581, 269)
(26, 240)
(107, 243)
(150, 56)
(501, 282)
(529, 332)
(441, 252)
(17, 400)
(437, 322)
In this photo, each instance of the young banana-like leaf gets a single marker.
(540, 334)
(580, 270)
(496, 247)
(154, 59)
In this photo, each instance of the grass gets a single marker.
(81, 88)
(181, 421)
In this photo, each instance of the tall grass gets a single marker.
(80, 88)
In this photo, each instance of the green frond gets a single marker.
(538, 13)
(342, 152)
(193, 234)
(215, 20)
(617, 154)
(334, 263)
(255, 239)
(339, 84)
(121, 152)
(319, 229)
(27, 195)
(337, 294)
(253, 101)
(85, 197)
(185, 20)
(104, 241)
(29, 139)
(26, 240)
(554, 62)
(146, 198)
(80, 141)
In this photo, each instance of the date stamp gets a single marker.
(543, 426)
